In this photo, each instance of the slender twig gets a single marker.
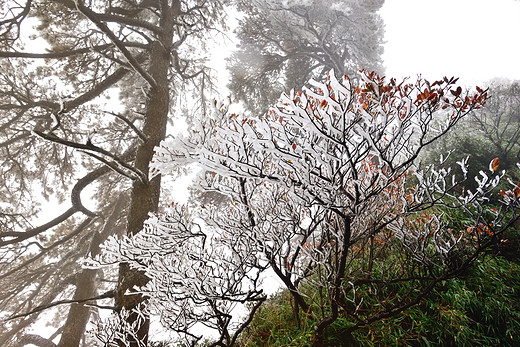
(114, 166)
(120, 45)
(130, 124)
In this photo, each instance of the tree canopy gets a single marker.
(285, 43)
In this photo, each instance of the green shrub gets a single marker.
(480, 309)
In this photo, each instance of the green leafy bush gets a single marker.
(480, 308)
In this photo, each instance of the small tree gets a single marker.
(499, 121)
(327, 192)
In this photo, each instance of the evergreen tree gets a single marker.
(285, 43)
(62, 133)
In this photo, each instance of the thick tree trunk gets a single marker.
(79, 314)
(145, 196)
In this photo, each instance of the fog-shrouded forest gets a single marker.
(328, 204)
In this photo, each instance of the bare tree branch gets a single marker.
(130, 124)
(89, 147)
(21, 236)
(54, 55)
(109, 294)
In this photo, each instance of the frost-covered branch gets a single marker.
(320, 190)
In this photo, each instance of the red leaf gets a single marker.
(294, 146)
(457, 92)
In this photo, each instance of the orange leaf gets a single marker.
(494, 164)
(432, 96)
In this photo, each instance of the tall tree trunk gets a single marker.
(145, 196)
(77, 319)
(79, 314)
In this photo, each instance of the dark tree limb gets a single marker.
(54, 55)
(76, 231)
(77, 206)
(109, 294)
(91, 94)
(7, 336)
(80, 185)
(248, 320)
(116, 164)
(14, 21)
(130, 21)
(21, 236)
